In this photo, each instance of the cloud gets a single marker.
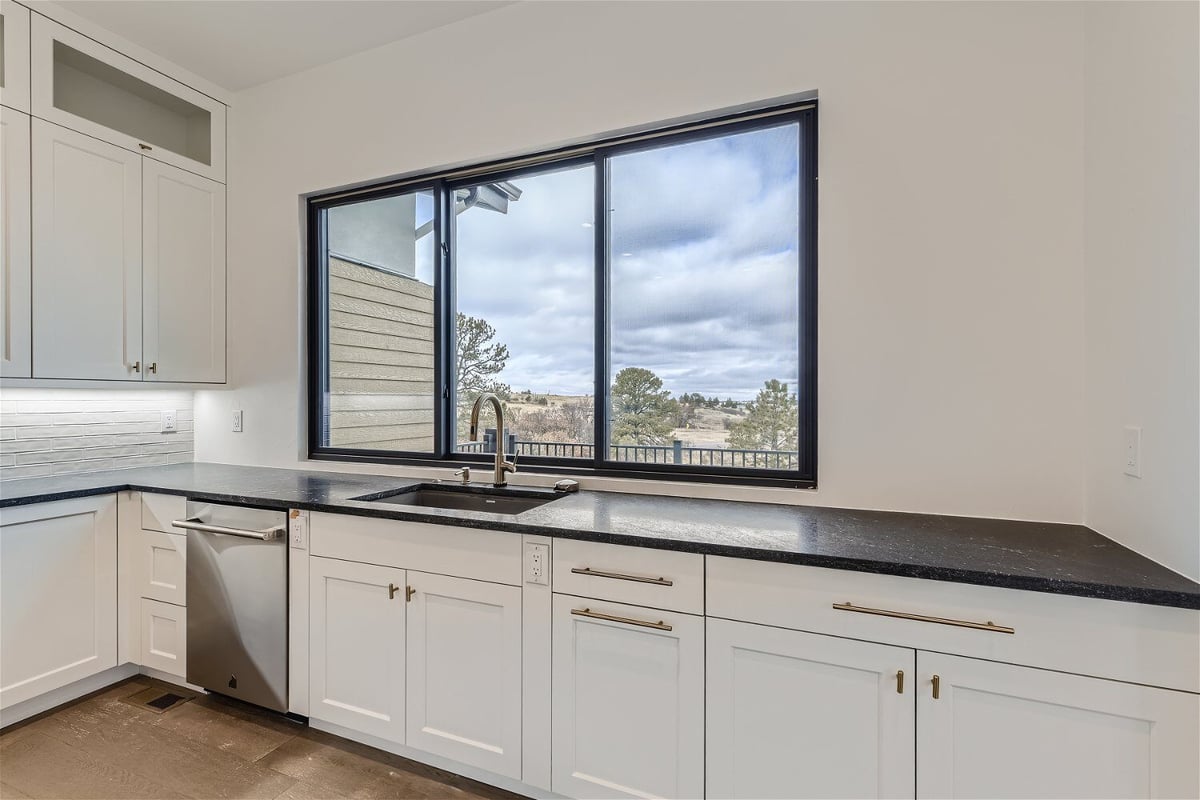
(703, 275)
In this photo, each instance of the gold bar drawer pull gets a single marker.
(620, 576)
(958, 623)
(587, 612)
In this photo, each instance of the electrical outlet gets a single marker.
(170, 422)
(537, 563)
(1133, 452)
(237, 421)
(298, 529)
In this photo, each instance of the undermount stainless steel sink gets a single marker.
(465, 498)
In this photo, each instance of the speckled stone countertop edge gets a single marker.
(1102, 591)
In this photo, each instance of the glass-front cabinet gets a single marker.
(87, 87)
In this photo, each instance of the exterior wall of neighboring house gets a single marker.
(380, 359)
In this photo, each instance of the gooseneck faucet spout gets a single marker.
(502, 466)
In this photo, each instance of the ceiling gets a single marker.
(237, 44)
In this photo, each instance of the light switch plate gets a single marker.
(1133, 452)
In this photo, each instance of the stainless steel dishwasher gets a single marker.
(237, 616)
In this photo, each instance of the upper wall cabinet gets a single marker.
(14, 55)
(83, 85)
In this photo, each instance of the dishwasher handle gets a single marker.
(266, 534)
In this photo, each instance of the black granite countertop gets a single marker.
(1034, 556)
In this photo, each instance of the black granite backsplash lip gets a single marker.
(1040, 557)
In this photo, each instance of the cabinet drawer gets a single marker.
(1132, 642)
(164, 637)
(635, 575)
(442, 549)
(162, 567)
(160, 510)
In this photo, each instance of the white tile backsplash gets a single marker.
(59, 431)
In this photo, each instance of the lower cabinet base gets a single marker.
(65, 694)
(458, 768)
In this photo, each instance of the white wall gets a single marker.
(1142, 245)
(951, 246)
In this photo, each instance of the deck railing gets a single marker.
(675, 453)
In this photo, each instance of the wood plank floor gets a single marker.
(100, 747)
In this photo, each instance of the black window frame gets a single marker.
(598, 151)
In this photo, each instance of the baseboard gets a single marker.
(458, 768)
(65, 694)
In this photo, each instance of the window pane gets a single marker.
(524, 251)
(379, 386)
(704, 302)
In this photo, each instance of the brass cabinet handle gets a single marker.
(937, 686)
(153, 368)
(587, 612)
(899, 681)
(137, 366)
(959, 623)
(392, 589)
(620, 576)
(408, 594)
(144, 146)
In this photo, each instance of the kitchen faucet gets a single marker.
(502, 466)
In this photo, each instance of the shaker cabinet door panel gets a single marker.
(999, 730)
(628, 701)
(356, 646)
(183, 297)
(16, 297)
(794, 715)
(87, 263)
(464, 671)
(58, 595)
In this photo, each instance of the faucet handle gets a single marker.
(511, 466)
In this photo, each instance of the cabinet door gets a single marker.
(87, 263)
(183, 269)
(998, 730)
(14, 55)
(58, 595)
(464, 671)
(164, 637)
(15, 297)
(628, 715)
(356, 646)
(795, 714)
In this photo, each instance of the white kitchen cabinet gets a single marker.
(356, 646)
(183, 269)
(628, 701)
(14, 55)
(999, 730)
(464, 671)
(58, 595)
(83, 85)
(164, 637)
(793, 715)
(87, 265)
(15, 298)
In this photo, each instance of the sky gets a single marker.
(703, 277)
